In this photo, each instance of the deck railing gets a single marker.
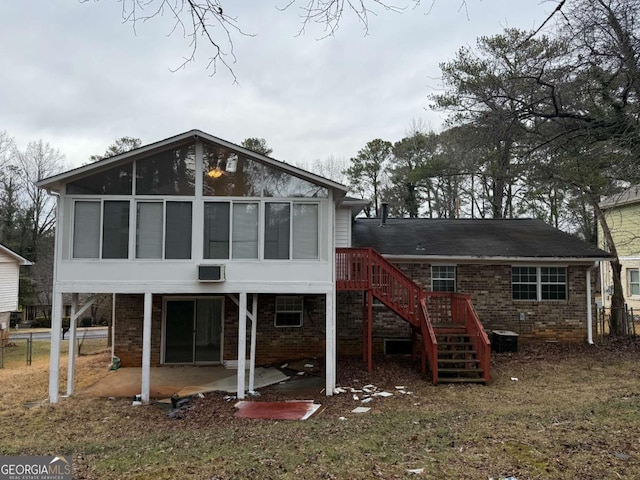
(455, 309)
(429, 343)
(365, 269)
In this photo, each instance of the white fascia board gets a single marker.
(222, 288)
(494, 260)
(20, 260)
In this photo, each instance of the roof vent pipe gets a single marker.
(385, 211)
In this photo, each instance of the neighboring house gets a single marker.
(216, 253)
(10, 263)
(622, 212)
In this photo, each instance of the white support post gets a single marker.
(146, 347)
(330, 375)
(242, 343)
(113, 325)
(252, 354)
(56, 335)
(71, 363)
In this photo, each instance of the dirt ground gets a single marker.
(551, 412)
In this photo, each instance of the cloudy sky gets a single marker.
(76, 76)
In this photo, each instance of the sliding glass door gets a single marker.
(193, 330)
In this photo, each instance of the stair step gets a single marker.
(460, 380)
(458, 360)
(458, 370)
(452, 353)
(455, 344)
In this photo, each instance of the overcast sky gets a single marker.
(76, 76)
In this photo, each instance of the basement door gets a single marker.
(193, 330)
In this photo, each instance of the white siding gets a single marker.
(343, 228)
(9, 276)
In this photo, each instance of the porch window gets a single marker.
(86, 232)
(115, 181)
(163, 227)
(276, 230)
(539, 283)
(289, 311)
(633, 275)
(115, 231)
(291, 230)
(167, 173)
(443, 278)
(216, 230)
(245, 230)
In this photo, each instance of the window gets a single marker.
(115, 181)
(115, 229)
(169, 222)
(289, 311)
(216, 230)
(86, 232)
(443, 278)
(539, 283)
(111, 218)
(178, 230)
(167, 173)
(633, 275)
(276, 230)
(305, 230)
(149, 230)
(245, 230)
(291, 231)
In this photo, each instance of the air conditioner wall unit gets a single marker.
(211, 273)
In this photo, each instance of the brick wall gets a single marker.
(278, 344)
(274, 344)
(490, 289)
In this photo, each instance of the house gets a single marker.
(622, 213)
(10, 263)
(219, 255)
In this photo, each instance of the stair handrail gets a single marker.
(430, 342)
(479, 337)
(397, 290)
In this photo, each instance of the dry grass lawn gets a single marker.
(572, 413)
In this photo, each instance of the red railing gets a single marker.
(364, 268)
(429, 343)
(456, 309)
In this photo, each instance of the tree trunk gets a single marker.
(617, 297)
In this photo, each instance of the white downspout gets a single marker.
(589, 307)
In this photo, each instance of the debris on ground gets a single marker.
(360, 410)
(415, 471)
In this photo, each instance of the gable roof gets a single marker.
(56, 182)
(629, 196)
(20, 260)
(497, 239)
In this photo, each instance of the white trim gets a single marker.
(253, 315)
(56, 334)
(146, 347)
(20, 260)
(170, 288)
(494, 260)
(71, 362)
(242, 344)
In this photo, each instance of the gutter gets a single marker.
(589, 304)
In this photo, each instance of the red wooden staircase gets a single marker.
(454, 345)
